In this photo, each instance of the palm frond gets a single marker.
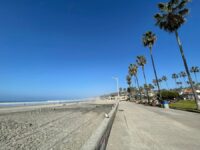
(141, 60)
(182, 4)
(149, 39)
(184, 12)
(175, 2)
(163, 6)
(171, 15)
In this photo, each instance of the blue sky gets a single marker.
(72, 48)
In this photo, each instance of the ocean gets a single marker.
(38, 102)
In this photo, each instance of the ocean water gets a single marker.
(38, 102)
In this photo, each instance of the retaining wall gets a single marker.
(99, 139)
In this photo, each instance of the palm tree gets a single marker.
(141, 61)
(171, 17)
(151, 87)
(183, 75)
(175, 77)
(133, 68)
(195, 70)
(128, 79)
(164, 78)
(149, 39)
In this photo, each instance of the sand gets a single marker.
(59, 126)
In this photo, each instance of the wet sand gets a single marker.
(59, 126)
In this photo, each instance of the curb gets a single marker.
(187, 110)
(99, 139)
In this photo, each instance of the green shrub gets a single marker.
(169, 95)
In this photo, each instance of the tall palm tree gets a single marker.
(133, 69)
(128, 79)
(195, 70)
(183, 74)
(141, 61)
(149, 39)
(171, 17)
(164, 78)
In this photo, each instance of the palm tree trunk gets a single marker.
(146, 84)
(187, 71)
(196, 77)
(138, 87)
(129, 93)
(154, 69)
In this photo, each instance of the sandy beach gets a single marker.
(58, 126)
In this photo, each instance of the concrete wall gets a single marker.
(99, 138)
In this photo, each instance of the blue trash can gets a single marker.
(165, 104)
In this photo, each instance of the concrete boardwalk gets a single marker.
(138, 127)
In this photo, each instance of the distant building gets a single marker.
(188, 94)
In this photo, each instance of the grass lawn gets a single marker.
(184, 105)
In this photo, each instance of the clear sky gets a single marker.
(71, 48)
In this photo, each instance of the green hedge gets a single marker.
(169, 95)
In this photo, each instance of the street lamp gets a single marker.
(117, 81)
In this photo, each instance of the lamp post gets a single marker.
(117, 81)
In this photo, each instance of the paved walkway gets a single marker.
(138, 127)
